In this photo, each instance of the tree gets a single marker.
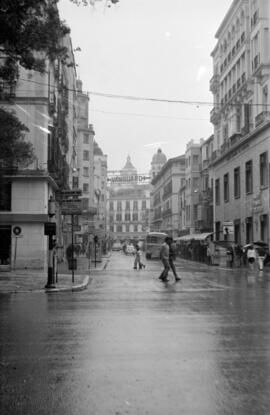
(13, 150)
(31, 31)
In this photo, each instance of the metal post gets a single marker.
(50, 280)
(15, 252)
(95, 253)
(72, 249)
(50, 276)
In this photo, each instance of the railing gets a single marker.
(7, 90)
(262, 117)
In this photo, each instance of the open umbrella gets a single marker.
(261, 243)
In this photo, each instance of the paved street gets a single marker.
(130, 344)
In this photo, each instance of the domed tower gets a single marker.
(128, 169)
(158, 161)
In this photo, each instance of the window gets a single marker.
(111, 218)
(217, 192)
(111, 228)
(86, 171)
(226, 187)
(237, 182)
(86, 187)
(118, 217)
(85, 203)
(85, 155)
(144, 204)
(135, 228)
(119, 206)
(119, 228)
(111, 205)
(196, 159)
(75, 182)
(127, 205)
(127, 228)
(127, 217)
(135, 205)
(195, 182)
(249, 179)
(86, 139)
(263, 169)
(135, 216)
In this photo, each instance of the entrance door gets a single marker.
(5, 247)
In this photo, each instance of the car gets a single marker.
(117, 246)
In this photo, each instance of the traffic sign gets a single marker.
(71, 207)
(17, 230)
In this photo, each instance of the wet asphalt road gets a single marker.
(130, 344)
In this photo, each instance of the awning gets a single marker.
(194, 236)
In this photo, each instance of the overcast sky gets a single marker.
(146, 48)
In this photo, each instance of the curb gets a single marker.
(79, 287)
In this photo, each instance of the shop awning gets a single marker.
(194, 236)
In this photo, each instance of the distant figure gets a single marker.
(261, 257)
(138, 255)
(251, 256)
(172, 257)
(238, 255)
(164, 256)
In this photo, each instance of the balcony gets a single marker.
(262, 117)
(214, 83)
(214, 116)
(235, 137)
(167, 212)
(7, 90)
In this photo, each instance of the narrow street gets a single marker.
(130, 344)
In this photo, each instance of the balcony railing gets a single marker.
(7, 90)
(262, 117)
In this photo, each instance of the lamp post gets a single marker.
(50, 230)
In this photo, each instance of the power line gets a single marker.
(149, 115)
(146, 99)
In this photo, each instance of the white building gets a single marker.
(241, 119)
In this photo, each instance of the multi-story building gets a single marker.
(241, 119)
(165, 190)
(192, 185)
(195, 197)
(204, 221)
(128, 205)
(100, 192)
(46, 105)
(83, 176)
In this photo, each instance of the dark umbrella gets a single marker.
(260, 243)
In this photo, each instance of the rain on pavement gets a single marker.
(130, 344)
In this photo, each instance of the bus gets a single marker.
(153, 242)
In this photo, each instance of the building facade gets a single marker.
(165, 196)
(83, 175)
(128, 205)
(241, 119)
(46, 105)
(100, 193)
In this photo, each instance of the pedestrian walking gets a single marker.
(261, 254)
(251, 256)
(138, 256)
(164, 256)
(172, 257)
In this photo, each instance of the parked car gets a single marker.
(117, 246)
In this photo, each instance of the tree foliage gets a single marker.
(13, 150)
(31, 31)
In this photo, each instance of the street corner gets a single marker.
(73, 287)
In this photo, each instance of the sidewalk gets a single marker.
(266, 271)
(23, 281)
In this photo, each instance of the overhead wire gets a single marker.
(141, 98)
